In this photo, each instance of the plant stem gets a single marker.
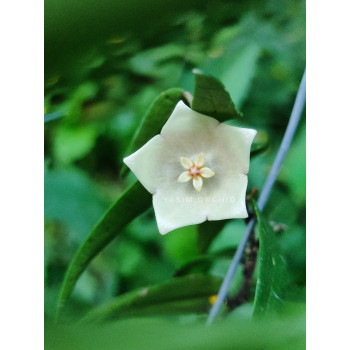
(265, 193)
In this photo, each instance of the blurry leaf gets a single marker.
(180, 244)
(53, 116)
(72, 198)
(211, 98)
(202, 263)
(219, 269)
(154, 119)
(170, 74)
(198, 265)
(206, 232)
(296, 160)
(147, 62)
(235, 67)
(134, 201)
(138, 264)
(238, 74)
(229, 237)
(144, 228)
(258, 148)
(179, 295)
(85, 91)
(159, 334)
(241, 312)
(72, 143)
(271, 274)
(130, 256)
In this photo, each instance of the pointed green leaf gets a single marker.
(179, 295)
(154, 119)
(133, 202)
(212, 99)
(271, 269)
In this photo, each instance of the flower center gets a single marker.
(195, 171)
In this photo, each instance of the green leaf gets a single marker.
(271, 267)
(72, 198)
(72, 143)
(212, 99)
(237, 75)
(296, 160)
(258, 148)
(133, 202)
(203, 263)
(161, 333)
(235, 62)
(187, 294)
(206, 232)
(154, 120)
(180, 245)
(148, 62)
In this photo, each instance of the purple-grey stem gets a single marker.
(265, 193)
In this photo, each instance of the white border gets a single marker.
(328, 175)
(21, 138)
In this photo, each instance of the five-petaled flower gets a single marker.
(190, 140)
(195, 171)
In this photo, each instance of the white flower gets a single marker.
(191, 140)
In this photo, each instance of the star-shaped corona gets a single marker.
(196, 169)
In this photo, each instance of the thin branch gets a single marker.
(249, 262)
(265, 193)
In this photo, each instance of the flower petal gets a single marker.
(185, 162)
(198, 183)
(184, 177)
(145, 164)
(189, 126)
(227, 200)
(177, 210)
(238, 142)
(207, 172)
(200, 160)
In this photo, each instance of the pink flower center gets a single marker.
(194, 171)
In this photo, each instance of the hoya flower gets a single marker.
(196, 169)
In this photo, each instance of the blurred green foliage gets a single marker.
(105, 63)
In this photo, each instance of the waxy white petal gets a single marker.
(144, 163)
(207, 172)
(186, 206)
(184, 177)
(173, 212)
(238, 142)
(185, 162)
(192, 128)
(200, 159)
(228, 201)
(198, 183)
